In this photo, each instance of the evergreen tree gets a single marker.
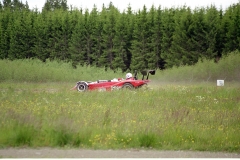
(55, 41)
(199, 32)
(28, 37)
(14, 51)
(49, 32)
(151, 56)
(63, 35)
(109, 32)
(1, 6)
(7, 4)
(213, 25)
(91, 21)
(77, 44)
(21, 35)
(98, 49)
(5, 18)
(14, 5)
(232, 23)
(182, 47)
(157, 38)
(19, 5)
(51, 5)
(41, 37)
(140, 43)
(3, 53)
(220, 37)
(58, 33)
(120, 44)
(130, 18)
(167, 37)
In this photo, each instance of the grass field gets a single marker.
(181, 110)
(168, 117)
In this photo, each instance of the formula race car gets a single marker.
(130, 82)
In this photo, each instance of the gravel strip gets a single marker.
(131, 153)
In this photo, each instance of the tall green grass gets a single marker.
(206, 71)
(173, 117)
(33, 70)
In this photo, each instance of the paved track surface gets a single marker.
(131, 153)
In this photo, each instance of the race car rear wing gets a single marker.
(147, 72)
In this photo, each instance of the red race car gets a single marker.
(108, 85)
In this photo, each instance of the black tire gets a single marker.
(128, 86)
(82, 86)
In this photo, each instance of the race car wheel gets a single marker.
(82, 86)
(127, 86)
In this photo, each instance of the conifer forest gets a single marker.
(149, 38)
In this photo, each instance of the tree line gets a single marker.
(154, 38)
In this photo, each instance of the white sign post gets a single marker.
(220, 82)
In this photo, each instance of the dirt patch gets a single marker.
(131, 153)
